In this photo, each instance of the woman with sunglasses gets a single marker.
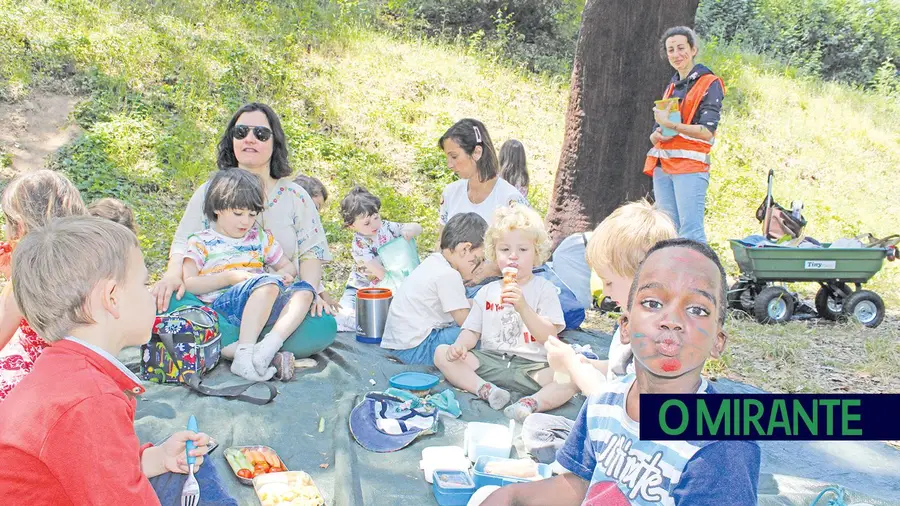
(472, 157)
(254, 141)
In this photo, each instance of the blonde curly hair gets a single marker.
(524, 219)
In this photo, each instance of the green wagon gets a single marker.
(833, 269)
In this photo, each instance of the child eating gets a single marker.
(226, 267)
(431, 304)
(69, 425)
(512, 318)
(673, 323)
(361, 212)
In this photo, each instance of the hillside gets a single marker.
(363, 107)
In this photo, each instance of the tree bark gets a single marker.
(617, 74)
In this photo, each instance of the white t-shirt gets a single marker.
(423, 303)
(621, 358)
(503, 330)
(455, 200)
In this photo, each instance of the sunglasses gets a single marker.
(261, 133)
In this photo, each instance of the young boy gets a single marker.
(512, 318)
(431, 304)
(115, 210)
(673, 323)
(361, 212)
(614, 251)
(226, 267)
(319, 195)
(69, 425)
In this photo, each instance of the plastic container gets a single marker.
(419, 383)
(452, 488)
(488, 439)
(372, 306)
(249, 481)
(444, 458)
(399, 258)
(482, 478)
(282, 488)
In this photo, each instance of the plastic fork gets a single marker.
(190, 493)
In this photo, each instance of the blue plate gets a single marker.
(414, 381)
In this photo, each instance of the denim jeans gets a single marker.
(683, 198)
(543, 435)
(423, 354)
(230, 305)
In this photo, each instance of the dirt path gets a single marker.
(36, 126)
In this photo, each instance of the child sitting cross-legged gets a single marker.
(431, 304)
(512, 319)
(361, 212)
(226, 267)
(69, 425)
(673, 322)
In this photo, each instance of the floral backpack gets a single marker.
(185, 346)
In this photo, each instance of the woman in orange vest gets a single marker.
(678, 162)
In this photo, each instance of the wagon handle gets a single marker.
(769, 193)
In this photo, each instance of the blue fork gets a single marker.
(190, 494)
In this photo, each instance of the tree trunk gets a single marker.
(618, 73)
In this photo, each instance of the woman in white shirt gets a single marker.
(254, 141)
(472, 157)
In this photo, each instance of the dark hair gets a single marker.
(233, 188)
(699, 247)
(359, 202)
(513, 166)
(113, 210)
(470, 133)
(677, 30)
(464, 227)
(313, 186)
(278, 165)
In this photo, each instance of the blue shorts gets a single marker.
(230, 305)
(423, 354)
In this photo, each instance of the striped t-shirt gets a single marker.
(605, 449)
(215, 253)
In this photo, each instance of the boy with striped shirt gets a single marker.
(673, 323)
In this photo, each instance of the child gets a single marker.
(360, 211)
(115, 210)
(673, 323)
(29, 202)
(315, 189)
(513, 167)
(226, 267)
(319, 196)
(69, 425)
(431, 304)
(614, 252)
(512, 319)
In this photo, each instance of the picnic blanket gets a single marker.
(349, 475)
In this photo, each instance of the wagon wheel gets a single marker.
(773, 305)
(741, 296)
(830, 302)
(866, 307)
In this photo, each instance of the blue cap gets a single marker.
(382, 423)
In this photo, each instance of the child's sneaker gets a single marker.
(284, 365)
(494, 395)
(521, 409)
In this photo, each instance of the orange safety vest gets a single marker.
(683, 154)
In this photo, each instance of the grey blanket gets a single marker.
(349, 475)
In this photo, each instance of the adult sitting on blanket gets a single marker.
(254, 141)
(472, 157)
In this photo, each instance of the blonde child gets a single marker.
(225, 266)
(513, 166)
(361, 212)
(614, 251)
(512, 319)
(29, 202)
(81, 281)
(113, 210)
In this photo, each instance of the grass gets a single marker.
(363, 107)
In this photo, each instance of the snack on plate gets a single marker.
(523, 468)
(5, 247)
(667, 105)
(292, 488)
(251, 461)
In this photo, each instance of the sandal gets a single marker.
(284, 365)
